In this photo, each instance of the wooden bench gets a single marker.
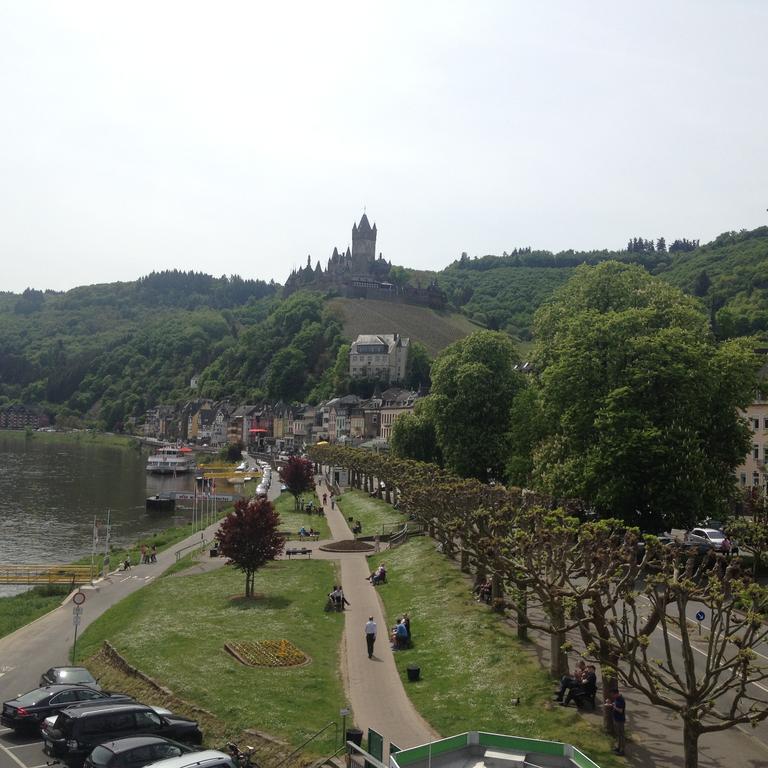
(298, 551)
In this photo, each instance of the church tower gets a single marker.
(363, 246)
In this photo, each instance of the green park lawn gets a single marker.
(174, 630)
(290, 520)
(372, 513)
(473, 668)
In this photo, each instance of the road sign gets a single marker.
(344, 712)
(700, 616)
(78, 598)
(77, 610)
(75, 620)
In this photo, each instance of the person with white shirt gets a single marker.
(370, 635)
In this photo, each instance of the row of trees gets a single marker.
(627, 598)
(628, 403)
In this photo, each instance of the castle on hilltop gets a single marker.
(358, 273)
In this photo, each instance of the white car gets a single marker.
(706, 536)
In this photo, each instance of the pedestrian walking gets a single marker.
(143, 554)
(153, 555)
(370, 635)
(619, 711)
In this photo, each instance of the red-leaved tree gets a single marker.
(249, 537)
(298, 477)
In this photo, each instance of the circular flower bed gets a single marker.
(267, 653)
(347, 545)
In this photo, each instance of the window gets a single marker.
(743, 479)
(755, 451)
(149, 720)
(765, 422)
(756, 423)
(755, 478)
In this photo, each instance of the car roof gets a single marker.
(49, 690)
(120, 706)
(131, 742)
(192, 759)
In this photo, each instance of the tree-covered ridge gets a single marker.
(109, 351)
(730, 275)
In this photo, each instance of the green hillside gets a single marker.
(435, 330)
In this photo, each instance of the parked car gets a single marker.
(50, 722)
(62, 675)
(712, 536)
(135, 752)
(209, 758)
(77, 731)
(27, 711)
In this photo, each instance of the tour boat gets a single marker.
(170, 460)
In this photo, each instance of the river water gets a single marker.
(51, 489)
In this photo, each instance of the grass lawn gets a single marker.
(473, 668)
(372, 513)
(291, 520)
(19, 610)
(174, 630)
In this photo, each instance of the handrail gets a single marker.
(313, 736)
(201, 544)
(326, 760)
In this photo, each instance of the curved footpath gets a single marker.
(374, 687)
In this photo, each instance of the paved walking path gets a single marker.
(374, 686)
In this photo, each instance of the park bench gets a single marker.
(291, 535)
(298, 551)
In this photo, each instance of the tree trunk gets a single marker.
(497, 594)
(691, 744)
(522, 614)
(464, 560)
(558, 662)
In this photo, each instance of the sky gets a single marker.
(240, 137)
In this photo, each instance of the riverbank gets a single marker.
(19, 610)
(74, 436)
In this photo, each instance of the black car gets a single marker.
(134, 752)
(77, 730)
(27, 711)
(68, 676)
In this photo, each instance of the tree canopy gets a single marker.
(640, 403)
(474, 382)
(249, 537)
(298, 476)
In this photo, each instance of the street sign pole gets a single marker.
(77, 611)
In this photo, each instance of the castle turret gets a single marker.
(363, 245)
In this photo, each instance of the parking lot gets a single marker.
(21, 751)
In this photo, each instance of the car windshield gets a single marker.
(75, 675)
(100, 756)
(715, 535)
(32, 697)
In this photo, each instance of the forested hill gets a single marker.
(730, 275)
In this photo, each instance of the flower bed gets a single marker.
(267, 653)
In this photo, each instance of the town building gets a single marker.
(382, 357)
(23, 417)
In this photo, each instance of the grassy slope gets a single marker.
(435, 330)
(473, 668)
(372, 513)
(175, 629)
(291, 520)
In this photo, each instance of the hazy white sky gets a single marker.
(239, 137)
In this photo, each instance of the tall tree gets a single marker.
(413, 436)
(248, 536)
(417, 367)
(641, 404)
(473, 384)
(298, 476)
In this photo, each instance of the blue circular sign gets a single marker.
(700, 616)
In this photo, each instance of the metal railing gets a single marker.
(201, 545)
(311, 738)
(45, 574)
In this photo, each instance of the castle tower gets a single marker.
(363, 246)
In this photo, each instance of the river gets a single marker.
(52, 488)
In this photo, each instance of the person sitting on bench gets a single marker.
(585, 691)
(379, 576)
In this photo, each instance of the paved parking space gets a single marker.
(21, 751)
